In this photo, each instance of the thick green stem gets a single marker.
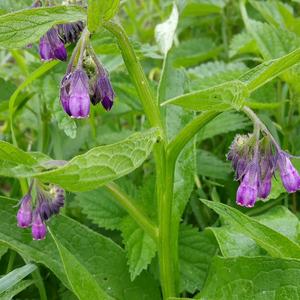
(128, 204)
(188, 132)
(163, 170)
(137, 74)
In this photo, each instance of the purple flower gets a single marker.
(103, 92)
(289, 175)
(37, 3)
(70, 32)
(24, 215)
(248, 189)
(264, 188)
(38, 229)
(52, 47)
(74, 94)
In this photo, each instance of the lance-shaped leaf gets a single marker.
(15, 276)
(221, 97)
(24, 27)
(272, 241)
(103, 164)
(82, 282)
(268, 70)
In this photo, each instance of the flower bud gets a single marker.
(52, 47)
(289, 175)
(24, 215)
(74, 94)
(38, 229)
(103, 92)
(70, 32)
(248, 189)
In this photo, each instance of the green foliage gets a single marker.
(252, 278)
(27, 26)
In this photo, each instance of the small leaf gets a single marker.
(242, 43)
(165, 32)
(273, 242)
(140, 247)
(196, 8)
(265, 278)
(196, 250)
(15, 276)
(82, 282)
(103, 164)
(24, 27)
(218, 98)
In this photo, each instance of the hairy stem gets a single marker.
(164, 196)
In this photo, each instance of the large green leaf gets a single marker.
(203, 7)
(99, 255)
(243, 278)
(21, 28)
(81, 280)
(103, 164)
(196, 250)
(273, 242)
(221, 97)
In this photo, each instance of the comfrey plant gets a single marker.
(149, 235)
(255, 161)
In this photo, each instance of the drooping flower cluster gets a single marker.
(255, 163)
(35, 212)
(86, 80)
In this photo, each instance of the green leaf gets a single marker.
(273, 42)
(212, 73)
(15, 276)
(195, 8)
(165, 32)
(105, 260)
(16, 289)
(101, 208)
(219, 98)
(252, 278)
(267, 71)
(234, 243)
(99, 11)
(24, 27)
(211, 166)
(274, 243)
(140, 247)
(191, 52)
(3, 250)
(82, 282)
(196, 250)
(242, 43)
(103, 164)
(234, 121)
